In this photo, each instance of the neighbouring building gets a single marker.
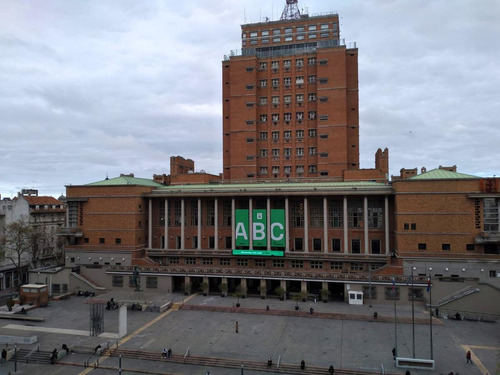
(46, 215)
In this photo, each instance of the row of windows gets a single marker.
(102, 240)
(278, 263)
(288, 116)
(287, 134)
(287, 151)
(447, 246)
(287, 99)
(290, 30)
(287, 169)
(288, 63)
(287, 81)
(290, 38)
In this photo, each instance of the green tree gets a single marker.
(18, 245)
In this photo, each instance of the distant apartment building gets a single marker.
(46, 215)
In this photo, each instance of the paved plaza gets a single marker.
(206, 327)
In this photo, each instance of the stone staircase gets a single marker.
(454, 296)
(236, 363)
(96, 288)
(37, 357)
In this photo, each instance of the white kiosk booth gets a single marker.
(355, 297)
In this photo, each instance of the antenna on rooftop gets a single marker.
(291, 11)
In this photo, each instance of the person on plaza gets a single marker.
(4, 355)
(394, 353)
(331, 370)
(97, 348)
(311, 310)
(169, 353)
(65, 347)
(302, 364)
(407, 372)
(236, 327)
(53, 356)
(269, 362)
(375, 315)
(164, 353)
(468, 356)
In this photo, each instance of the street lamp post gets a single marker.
(413, 311)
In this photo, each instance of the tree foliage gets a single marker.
(18, 245)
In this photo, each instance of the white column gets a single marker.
(182, 225)
(268, 225)
(306, 226)
(365, 224)
(346, 227)
(233, 225)
(325, 224)
(166, 224)
(287, 226)
(250, 221)
(216, 226)
(386, 223)
(150, 224)
(199, 225)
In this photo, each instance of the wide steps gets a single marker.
(235, 363)
(38, 357)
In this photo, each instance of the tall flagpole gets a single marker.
(429, 286)
(395, 317)
(413, 311)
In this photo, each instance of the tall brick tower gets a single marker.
(290, 100)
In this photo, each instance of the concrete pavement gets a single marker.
(352, 344)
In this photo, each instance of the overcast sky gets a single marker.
(96, 88)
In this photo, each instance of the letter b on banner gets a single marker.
(259, 228)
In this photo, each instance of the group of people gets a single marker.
(111, 304)
(166, 353)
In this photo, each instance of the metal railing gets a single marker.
(454, 296)
(35, 349)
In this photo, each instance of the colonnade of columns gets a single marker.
(287, 224)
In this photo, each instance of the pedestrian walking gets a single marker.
(236, 328)
(302, 364)
(4, 355)
(164, 353)
(331, 370)
(468, 356)
(394, 353)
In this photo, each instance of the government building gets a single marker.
(292, 214)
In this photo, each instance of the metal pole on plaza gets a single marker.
(242, 369)
(120, 365)
(429, 288)
(370, 284)
(395, 316)
(413, 311)
(15, 358)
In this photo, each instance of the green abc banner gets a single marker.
(277, 228)
(259, 230)
(241, 229)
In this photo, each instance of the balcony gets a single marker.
(488, 238)
(70, 232)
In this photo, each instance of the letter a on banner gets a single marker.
(241, 228)
(278, 228)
